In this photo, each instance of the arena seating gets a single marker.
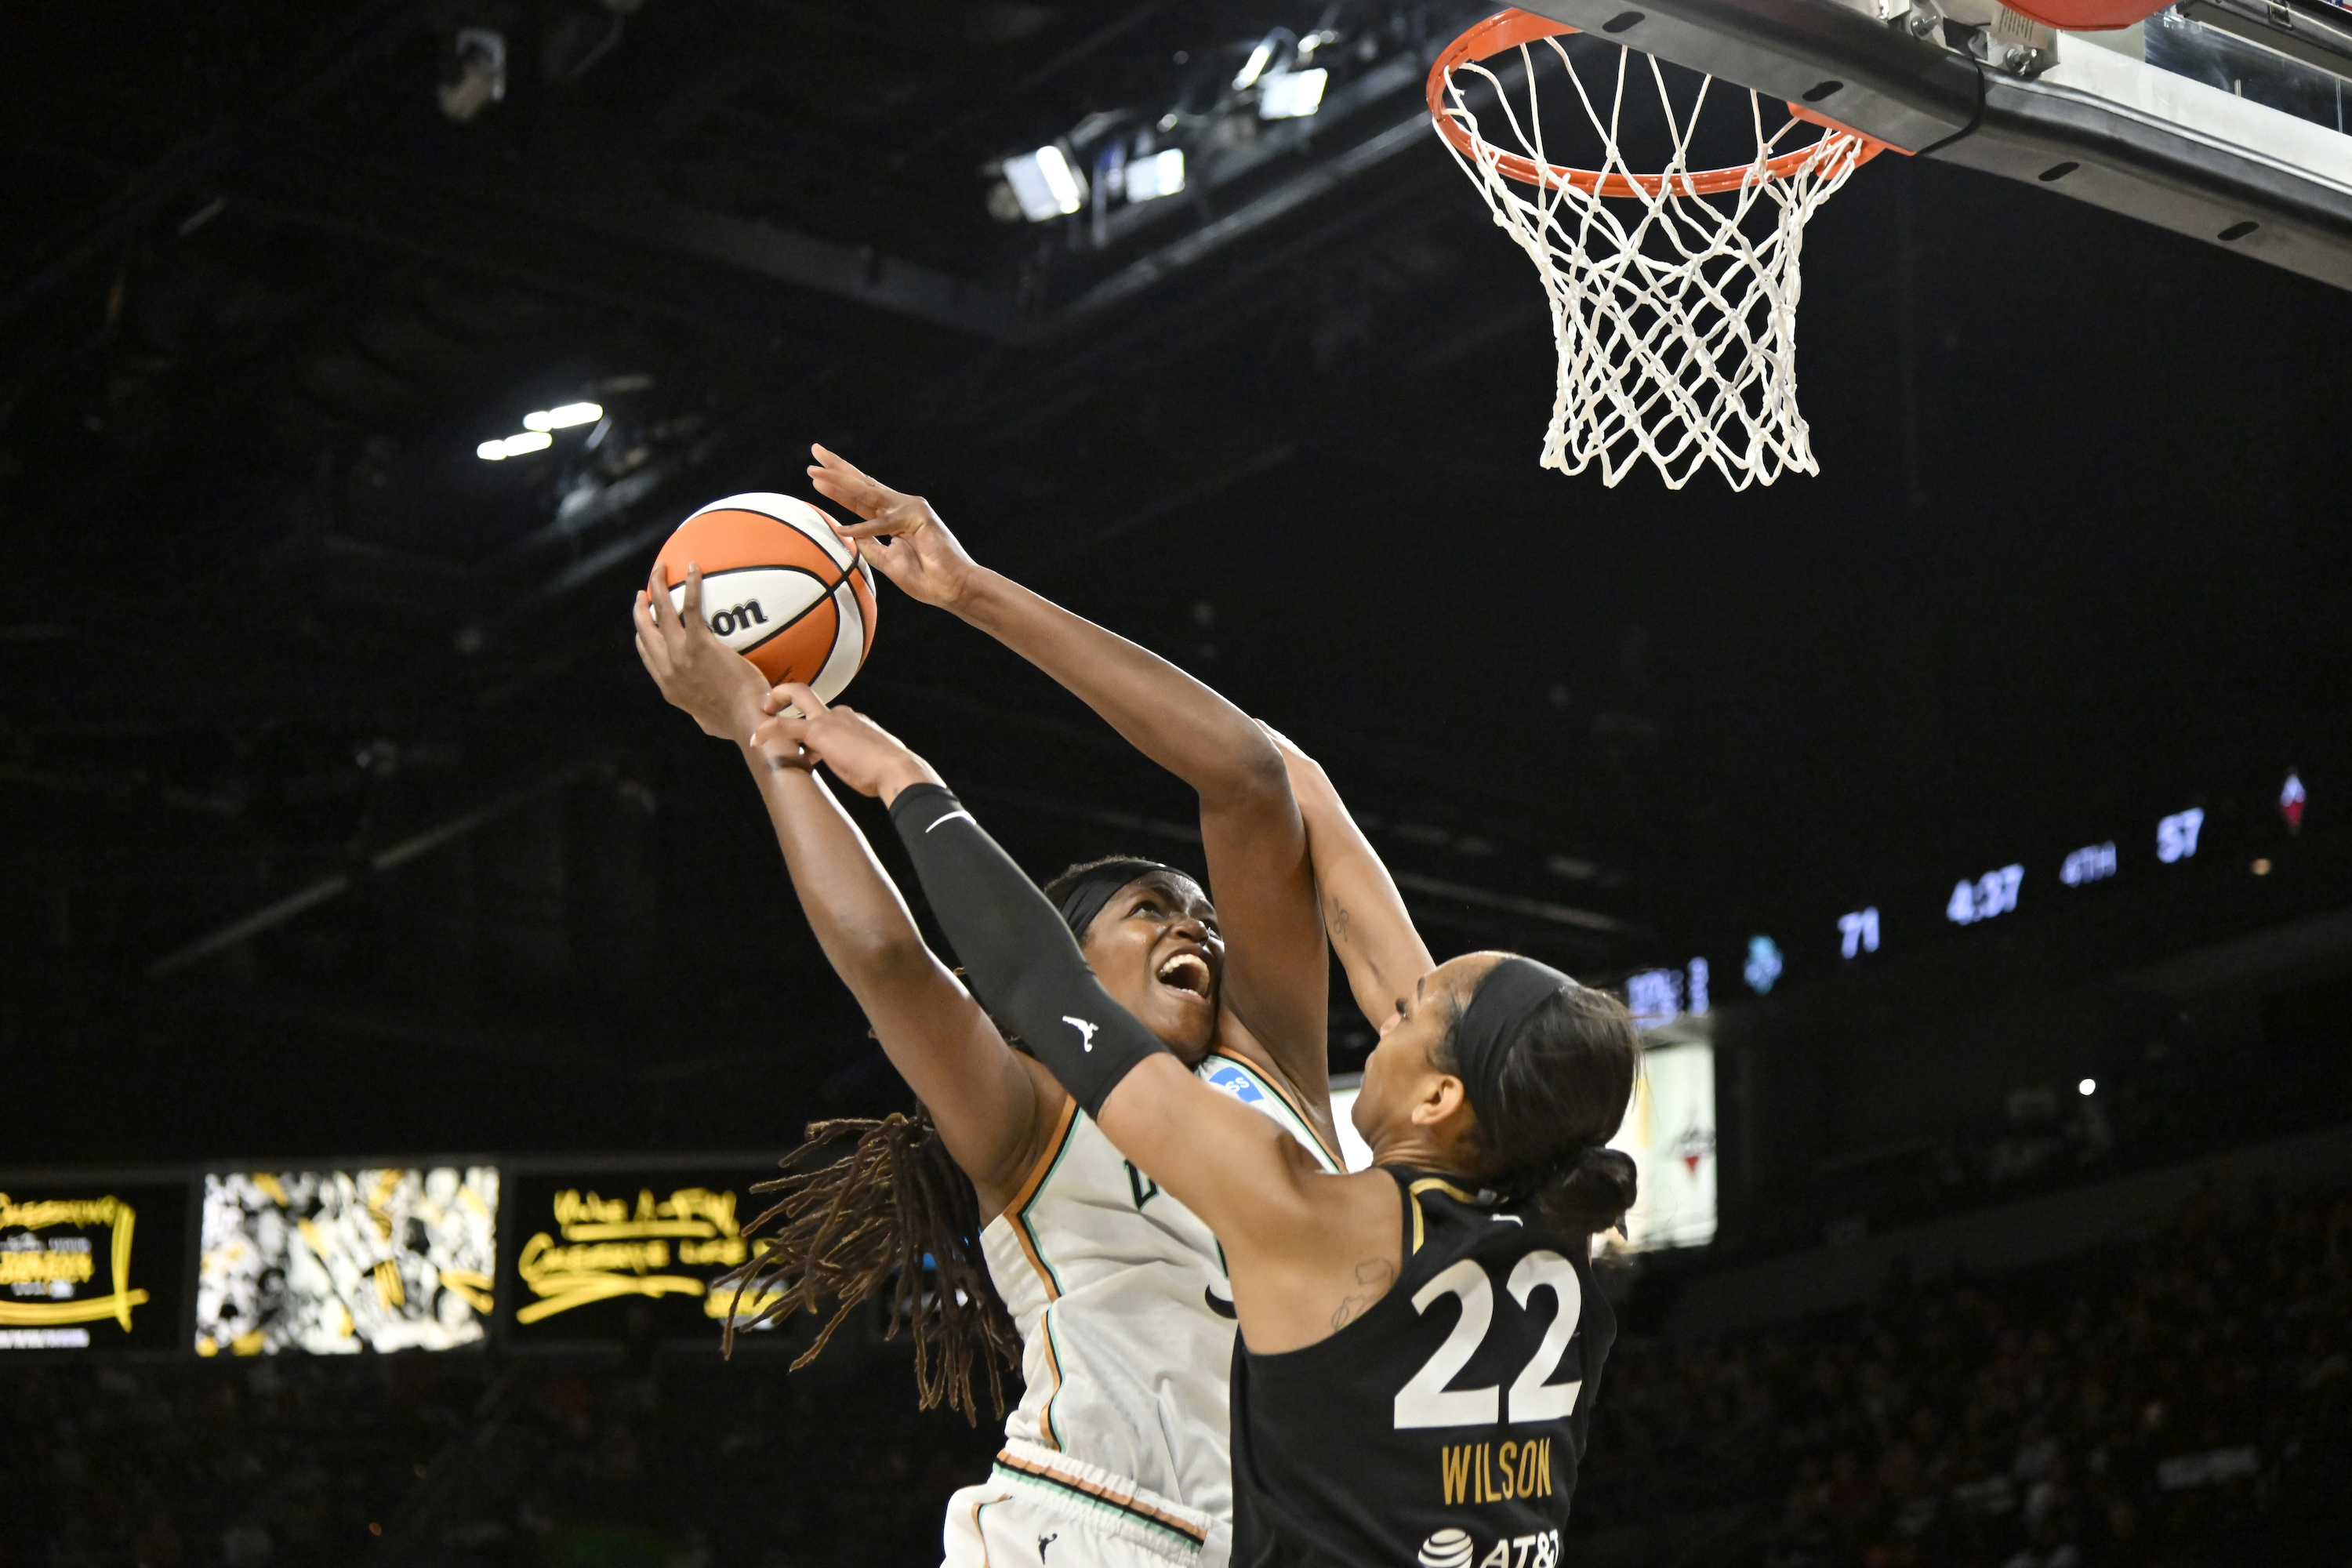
(2174, 1402)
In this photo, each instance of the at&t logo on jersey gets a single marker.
(1448, 1549)
(1456, 1549)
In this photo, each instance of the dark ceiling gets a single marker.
(338, 816)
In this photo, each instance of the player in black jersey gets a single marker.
(1421, 1343)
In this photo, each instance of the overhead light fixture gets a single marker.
(1293, 95)
(1159, 174)
(563, 418)
(1254, 67)
(1045, 184)
(514, 446)
(478, 75)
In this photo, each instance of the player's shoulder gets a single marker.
(1256, 1084)
(1448, 1218)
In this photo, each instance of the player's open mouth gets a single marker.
(1186, 972)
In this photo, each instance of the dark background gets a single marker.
(2074, 560)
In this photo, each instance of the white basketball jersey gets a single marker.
(1126, 1316)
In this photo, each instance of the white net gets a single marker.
(1674, 293)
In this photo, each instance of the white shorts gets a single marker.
(1039, 1508)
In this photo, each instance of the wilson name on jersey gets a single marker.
(1443, 1427)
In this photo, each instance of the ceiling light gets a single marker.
(1256, 66)
(514, 446)
(2087, 1088)
(563, 418)
(1293, 95)
(1161, 174)
(1044, 184)
(479, 79)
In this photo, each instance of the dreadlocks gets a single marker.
(895, 1206)
(878, 1219)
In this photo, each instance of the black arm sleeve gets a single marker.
(1020, 957)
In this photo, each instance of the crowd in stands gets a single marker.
(2184, 1400)
(2173, 1404)
(676, 1461)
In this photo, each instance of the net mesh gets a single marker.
(1674, 295)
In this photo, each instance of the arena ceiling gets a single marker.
(339, 816)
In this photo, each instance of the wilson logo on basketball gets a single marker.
(737, 618)
(781, 587)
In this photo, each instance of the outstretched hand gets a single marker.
(861, 754)
(719, 687)
(900, 536)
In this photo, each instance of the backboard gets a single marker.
(2220, 120)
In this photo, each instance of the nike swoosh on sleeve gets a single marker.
(951, 816)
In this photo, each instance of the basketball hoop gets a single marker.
(1674, 309)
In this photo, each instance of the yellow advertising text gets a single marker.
(611, 1247)
(76, 1268)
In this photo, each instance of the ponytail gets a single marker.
(894, 1214)
(1555, 1095)
(1590, 1191)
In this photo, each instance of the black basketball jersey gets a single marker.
(1444, 1425)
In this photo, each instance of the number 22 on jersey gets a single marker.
(1425, 1401)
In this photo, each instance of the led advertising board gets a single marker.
(89, 1265)
(334, 1262)
(614, 1254)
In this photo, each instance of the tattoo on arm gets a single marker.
(1340, 931)
(1373, 1278)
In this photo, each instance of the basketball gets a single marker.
(778, 586)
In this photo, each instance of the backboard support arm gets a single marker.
(2093, 124)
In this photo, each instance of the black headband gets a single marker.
(1509, 996)
(1095, 884)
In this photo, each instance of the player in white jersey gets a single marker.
(1117, 1450)
(1127, 1331)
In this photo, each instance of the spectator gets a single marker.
(2179, 1404)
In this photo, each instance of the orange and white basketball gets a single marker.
(778, 586)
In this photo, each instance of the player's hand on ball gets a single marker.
(860, 753)
(900, 536)
(719, 687)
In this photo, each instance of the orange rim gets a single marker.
(1508, 30)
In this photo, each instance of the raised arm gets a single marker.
(1370, 930)
(1228, 1163)
(1296, 1238)
(985, 1099)
(1276, 978)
